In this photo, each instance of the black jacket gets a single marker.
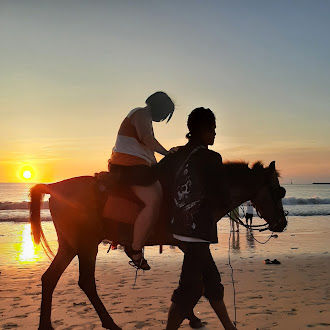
(194, 180)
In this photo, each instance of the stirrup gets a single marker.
(140, 263)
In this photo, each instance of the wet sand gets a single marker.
(292, 295)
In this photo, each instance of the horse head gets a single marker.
(267, 200)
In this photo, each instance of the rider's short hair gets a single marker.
(161, 100)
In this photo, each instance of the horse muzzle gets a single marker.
(279, 226)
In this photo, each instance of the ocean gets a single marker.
(308, 206)
(300, 200)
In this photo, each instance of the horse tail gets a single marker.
(36, 195)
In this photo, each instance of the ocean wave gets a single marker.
(312, 213)
(305, 201)
(20, 205)
(23, 219)
(22, 215)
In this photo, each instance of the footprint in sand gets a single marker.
(292, 312)
(84, 311)
(318, 325)
(83, 303)
(10, 326)
(115, 302)
(253, 307)
(21, 316)
(141, 325)
(128, 310)
(58, 322)
(255, 297)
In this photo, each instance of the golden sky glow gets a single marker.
(65, 88)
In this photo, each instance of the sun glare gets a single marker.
(28, 251)
(26, 173)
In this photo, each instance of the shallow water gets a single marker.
(303, 235)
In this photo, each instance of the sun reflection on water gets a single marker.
(28, 251)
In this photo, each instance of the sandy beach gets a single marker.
(292, 295)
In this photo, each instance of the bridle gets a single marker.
(277, 193)
(239, 221)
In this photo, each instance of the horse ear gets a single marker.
(272, 166)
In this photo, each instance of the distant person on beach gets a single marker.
(249, 212)
(234, 217)
(198, 174)
(132, 158)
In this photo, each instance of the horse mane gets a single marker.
(236, 169)
(239, 168)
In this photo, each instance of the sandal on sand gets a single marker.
(139, 263)
(274, 262)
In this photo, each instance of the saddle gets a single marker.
(119, 208)
(120, 204)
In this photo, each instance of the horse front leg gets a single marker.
(87, 260)
(49, 280)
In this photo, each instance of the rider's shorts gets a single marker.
(136, 175)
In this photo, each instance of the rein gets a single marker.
(239, 221)
(261, 228)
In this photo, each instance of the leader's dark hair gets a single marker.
(199, 119)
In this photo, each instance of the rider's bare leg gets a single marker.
(151, 196)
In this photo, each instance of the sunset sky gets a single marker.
(72, 69)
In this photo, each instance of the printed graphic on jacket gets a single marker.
(187, 200)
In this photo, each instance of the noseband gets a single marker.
(277, 194)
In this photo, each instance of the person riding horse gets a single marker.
(132, 158)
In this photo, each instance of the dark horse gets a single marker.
(74, 206)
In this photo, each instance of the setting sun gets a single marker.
(27, 173)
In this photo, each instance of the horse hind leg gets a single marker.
(49, 280)
(87, 260)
